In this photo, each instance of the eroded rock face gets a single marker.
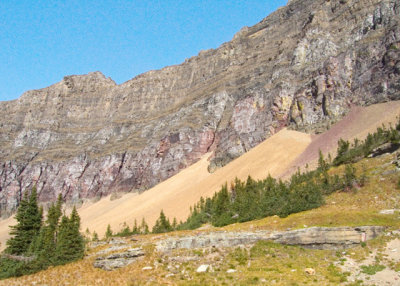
(303, 66)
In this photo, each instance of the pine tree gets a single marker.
(125, 230)
(162, 224)
(45, 243)
(323, 166)
(109, 232)
(144, 228)
(70, 243)
(174, 224)
(29, 221)
(95, 236)
(135, 228)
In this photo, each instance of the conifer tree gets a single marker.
(70, 243)
(29, 221)
(109, 232)
(144, 228)
(174, 224)
(162, 224)
(44, 244)
(95, 236)
(135, 228)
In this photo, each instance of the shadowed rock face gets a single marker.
(303, 66)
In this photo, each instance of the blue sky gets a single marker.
(42, 40)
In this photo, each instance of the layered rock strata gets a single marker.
(302, 66)
(313, 237)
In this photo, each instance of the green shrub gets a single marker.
(371, 269)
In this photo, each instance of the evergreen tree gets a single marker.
(144, 228)
(29, 221)
(70, 243)
(53, 243)
(323, 166)
(343, 148)
(135, 228)
(174, 224)
(109, 232)
(95, 236)
(125, 230)
(162, 224)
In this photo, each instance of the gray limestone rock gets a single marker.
(313, 237)
(118, 260)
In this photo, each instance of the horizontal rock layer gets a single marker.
(313, 237)
(302, 66)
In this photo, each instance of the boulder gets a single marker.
(118, 260)
(203, 268)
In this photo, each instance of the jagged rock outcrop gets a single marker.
(313, 237)
(303, 66)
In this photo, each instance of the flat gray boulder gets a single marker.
(118, 260)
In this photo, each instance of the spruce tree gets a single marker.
(109, 232)
(29, 221)
(135, 228)
(45, 243)
(162, 224)
(95, 236)
(174, 224)
(144, 228)
(70, 243)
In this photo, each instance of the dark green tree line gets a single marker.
(36, 244)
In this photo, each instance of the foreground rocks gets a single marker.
(303, 66)
(314, 237)
(118, 260)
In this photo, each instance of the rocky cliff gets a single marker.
(302, 66)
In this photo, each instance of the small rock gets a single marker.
(309, 271)
(293, 270)
(231, 271)
(147, 268)
(389, 211)
(169, 275)
(203, 268)
(389, 172)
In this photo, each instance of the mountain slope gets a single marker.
(176, 194)
(279, 155)
(86, 137)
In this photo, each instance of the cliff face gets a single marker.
(303, 66)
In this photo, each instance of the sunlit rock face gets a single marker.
(302, 66)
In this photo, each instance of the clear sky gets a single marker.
(43, 40)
